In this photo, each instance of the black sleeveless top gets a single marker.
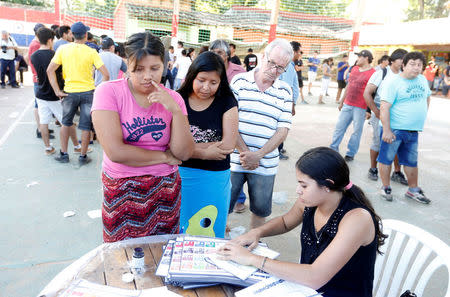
(355, 279)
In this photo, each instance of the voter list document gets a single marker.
(275, 287)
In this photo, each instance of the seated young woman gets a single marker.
(213, 119)
(340, 235)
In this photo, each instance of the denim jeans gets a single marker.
(349, 114)
(70, 105)
(12, 71)
(404, 146)
(260, 188)
(241, 197)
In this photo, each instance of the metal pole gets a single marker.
(175, 20)
(357, 29)
(274, 20)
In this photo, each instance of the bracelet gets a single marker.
(263, 262)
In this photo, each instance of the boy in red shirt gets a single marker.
(352, 105)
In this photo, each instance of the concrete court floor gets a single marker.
(38, 242)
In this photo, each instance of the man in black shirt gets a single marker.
(48, 102)
(234, 59)
(251, 60)
(298, 64)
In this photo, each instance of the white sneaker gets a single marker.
(78, 150)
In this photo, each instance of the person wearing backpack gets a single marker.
(372, 97)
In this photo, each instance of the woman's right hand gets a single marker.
(171, 160)
(214, 152)
(251, 238)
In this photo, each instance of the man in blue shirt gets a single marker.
(404, 105)
(342, 66)
(290, 76)
(66, 36)
(313, 62)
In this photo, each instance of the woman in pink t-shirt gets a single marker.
(144, 132)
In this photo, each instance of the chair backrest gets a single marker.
(403, 265)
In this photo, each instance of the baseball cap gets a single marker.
(79, 28)
(37, 27)
(107, 43)
(365, 53)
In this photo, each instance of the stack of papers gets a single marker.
(191, 261)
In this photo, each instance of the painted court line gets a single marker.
(16, 122)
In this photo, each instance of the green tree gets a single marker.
(27, 2)
(426, 9)
(220, 6)
(318, 7)
(92, 7)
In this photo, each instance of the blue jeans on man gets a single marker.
(348, 115)
(405, 146)
(5, 64)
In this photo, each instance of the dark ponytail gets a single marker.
(329, 169)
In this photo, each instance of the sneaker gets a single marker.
(283, 157)
(373, 174)
(78, 150)
(51, 131)
(304, 102)
(83, 160)
(348, 158)
(399, 178)
(418, 196)
(90, 142)
(283, 151)
(386, 193)
(239, 208)
(327, 95)
(62, 158)
(39, 135)
(310, 94)
(3, 86)
(15, 86)
(50, 152)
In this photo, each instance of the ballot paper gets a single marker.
(275, 287)
(190, 265)
(84, 288)
(243, 271)
(164, 264)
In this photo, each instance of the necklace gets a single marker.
(318, 237)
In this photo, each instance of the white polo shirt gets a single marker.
(260, 115)
(9, 55)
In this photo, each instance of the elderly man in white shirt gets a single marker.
(7, 56)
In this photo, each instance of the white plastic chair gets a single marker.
(401, 267)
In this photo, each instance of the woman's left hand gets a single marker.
(237, 253)
(162, 97)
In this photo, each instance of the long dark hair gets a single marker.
(205, 62)
(140, 45)
(329, 169)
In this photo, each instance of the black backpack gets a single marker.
(376, 90)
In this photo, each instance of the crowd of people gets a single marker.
(182, 131)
